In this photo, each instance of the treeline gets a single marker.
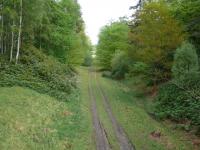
(54, 27)
(160, 47)
(40, 42)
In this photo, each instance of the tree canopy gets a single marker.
(54, 27)
(155, 35)
(112, 38)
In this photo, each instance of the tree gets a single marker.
(120, 65)
(54, 27)
(185, 61)
(20, 31)
(112, 38)
(2, 26)
(188, 13)
(155, 36)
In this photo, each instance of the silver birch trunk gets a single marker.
(12, 43)
(2, 22)
(19, 34)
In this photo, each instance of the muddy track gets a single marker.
(100, 133)
(123, 140)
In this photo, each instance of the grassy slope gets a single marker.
(137, 123)
(29, 120)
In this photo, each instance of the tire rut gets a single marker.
(124, 142)
(100, 133)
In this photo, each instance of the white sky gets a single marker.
(97, 13)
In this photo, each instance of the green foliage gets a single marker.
(54, 27)
(62, 33)
(155, 35)
(52, 40)
(185, 61)
(119, 65)
(107, 74)
(188, 12)
(180, 101)
(88, 59)
(112, 38)
(138, 68)
(39, 72)
(139, 71)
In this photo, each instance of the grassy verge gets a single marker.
(29, 120)
(137, 123)
(86, 104)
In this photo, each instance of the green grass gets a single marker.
(86, 106)
(103, 116)
(29, 120)
(137, 123)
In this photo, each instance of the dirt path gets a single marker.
(123, 140)
(100, 134)
(102, 142)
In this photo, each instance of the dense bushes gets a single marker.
(179, 99)
(39, 72)
(185, 61)
(88, 59)
(119, 65)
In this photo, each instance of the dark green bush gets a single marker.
(120, 63)
(39, 72)
(180, 101)
(185, 61)
(88, 59)
(107, 74)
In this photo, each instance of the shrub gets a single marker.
(39, 72)
(185, 61)
(180, 101)
(107, 74)
(88, 59)
(119, 65)
(138, 69)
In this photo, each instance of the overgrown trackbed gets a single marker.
(102, 142)
(100, 135)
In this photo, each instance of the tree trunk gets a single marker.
(40, 39)
(5, 40)
(12, 36)
(12, 44)
(2, 22)
(19, 34)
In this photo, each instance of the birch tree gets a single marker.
(19, 32)
(2, 26)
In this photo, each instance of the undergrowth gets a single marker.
(39, 72)
(180, 102)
